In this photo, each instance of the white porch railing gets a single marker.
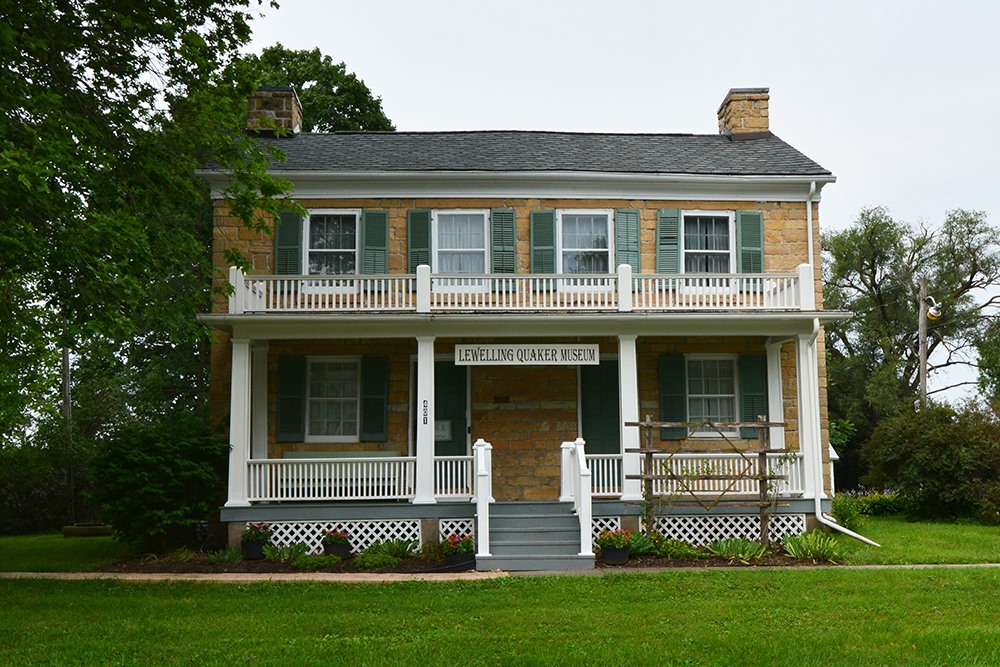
(273, 480)
(424, 292)
(577, 474)
(605, 474)
(482, 451)
(726, 465)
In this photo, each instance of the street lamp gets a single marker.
(926, 313)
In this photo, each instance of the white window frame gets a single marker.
(731, 215)
(463, 285)
(735, 359)
(566, 282)
(346, 283)
(310, 360)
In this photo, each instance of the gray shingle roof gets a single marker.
(518, 151)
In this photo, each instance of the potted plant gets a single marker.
(336, 543)
(615, 546)
(255, 536)
(459, 552)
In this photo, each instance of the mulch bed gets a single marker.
(198, 564)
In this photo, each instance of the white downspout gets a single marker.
(812, 368)
(809, 221)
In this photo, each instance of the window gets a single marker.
(332, 405)
(711, 391)
(708, 245)
(459, 239)
(331, 241)
(585, 242)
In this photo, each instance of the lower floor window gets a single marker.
(333, 390)
(711, 391)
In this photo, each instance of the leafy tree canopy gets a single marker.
(107, 108)
(333, 99)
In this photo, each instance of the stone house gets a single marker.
(457, 335)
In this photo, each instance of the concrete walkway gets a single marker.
(388, 578)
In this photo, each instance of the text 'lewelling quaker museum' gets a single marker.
(550, 355)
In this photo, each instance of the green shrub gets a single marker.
(641, 544)
(878, 503)
(668, 548)
(432, 552)
(372, 560)
(155, 482)
(814, 546)
(311, 563)
(286, 554)
(396, 548)
(846, 510)
(228, 556)
(941, 461)
(737, 550)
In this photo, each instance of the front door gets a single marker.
(451, 409)
(599, 407)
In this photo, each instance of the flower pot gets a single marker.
(343, 551)
(253, 550)
(614, 555)
(460, 562)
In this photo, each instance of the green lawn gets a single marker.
(51, 552)
(905, 542)
(799, 617)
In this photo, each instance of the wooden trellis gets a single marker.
(761, 475)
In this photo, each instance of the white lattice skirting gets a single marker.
(362, 534)
(460, 527)
(700, 530)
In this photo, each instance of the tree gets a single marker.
(872, 269)
(107, 108)
(333, 99)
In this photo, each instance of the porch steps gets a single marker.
(534, 536)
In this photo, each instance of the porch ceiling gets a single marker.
(514, 325)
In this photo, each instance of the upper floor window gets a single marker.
(708, 245)
(331, 242)
(460, 241)
(585, 244)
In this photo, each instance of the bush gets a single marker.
(286, 554)
(156, 482)
(943, 463)
(877, 503)
(227, 556)
(847, 511)
(396, 548)
(310, 563)
(668, 548)
(737, 550)
(372, 560)
(814, 546)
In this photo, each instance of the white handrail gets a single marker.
(425, 292)
(331, 479)
(483, 453)
(576, 459)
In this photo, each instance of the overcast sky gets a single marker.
(899, 99)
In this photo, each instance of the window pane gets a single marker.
(332, 263)
(332, 232)
(461, 231)
(585, 262)
(584, 231)
(461, 262)
(711, 390)
(333, 398)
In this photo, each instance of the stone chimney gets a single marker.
(280, 105)
(744, 113)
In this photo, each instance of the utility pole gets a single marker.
(922, 342)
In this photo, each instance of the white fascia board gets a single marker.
(541, 185)
(514, 325)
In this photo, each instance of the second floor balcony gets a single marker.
(426, 292)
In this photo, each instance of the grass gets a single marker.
(751, 616)
(51, 552)
(905, 542)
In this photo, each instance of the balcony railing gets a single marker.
(425, 292)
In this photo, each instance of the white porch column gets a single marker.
(425, 421)
(258, 401)
(810, 439)
(628, 401)
(775, 399)
(239, 423)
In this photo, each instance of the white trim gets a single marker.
(310, 360)
(609, 213)
(534, 185)
(731, 215)
(483, 285)
(356, 212)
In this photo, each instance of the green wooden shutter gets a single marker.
(543, 241)
(668, 240)
(503, 230)
(753, 390)
(374, 418)
(418, 239)
(374, 242)
(673, 395)
(291, 399)
(288, 245)
(627, 239)
(750, 241)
